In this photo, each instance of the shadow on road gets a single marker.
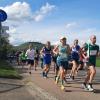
(97, 91)
(6, 87)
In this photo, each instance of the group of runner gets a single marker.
(63, 56)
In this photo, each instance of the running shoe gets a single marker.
(62, 87)
(84, 86)
(90, 88)
(57, 80)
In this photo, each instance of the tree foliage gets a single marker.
(5, 47)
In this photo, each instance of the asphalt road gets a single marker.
(47, 88)
(35, 87)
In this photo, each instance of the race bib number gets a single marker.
(93, 52)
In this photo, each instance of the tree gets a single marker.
(4, 47)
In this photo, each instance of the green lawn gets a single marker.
(7, 71)
(98, 62)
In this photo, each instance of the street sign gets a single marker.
(3, 15)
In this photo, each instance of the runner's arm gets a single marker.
(42, 51)
(98, 52)
(55, 50)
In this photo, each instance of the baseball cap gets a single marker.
(63, 37)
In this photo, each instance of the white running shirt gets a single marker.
(30, 54)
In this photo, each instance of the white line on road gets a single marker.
(41, 92)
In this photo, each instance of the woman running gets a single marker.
(62, 50)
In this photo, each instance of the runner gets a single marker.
(41, 60)
(56, 67)
(17, 57)
(36, 58)
(82, 60)
(54, 57)
(23, 58)
(75, 58)
(30, 57)
(62, 51)
(47, 53)
(92, 52)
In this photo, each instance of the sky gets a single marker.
(49, 20)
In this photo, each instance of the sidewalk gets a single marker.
(12, 89)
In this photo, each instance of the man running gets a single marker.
(36, 58)
(92, 52)
(47, 53)
(75, 58)
(23, 58)
(30, 57)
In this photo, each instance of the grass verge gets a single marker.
(7, 71)
(98, 62)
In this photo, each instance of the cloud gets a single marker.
(12, 31)
(22, 11)
(19, 14)
(28, 33)
(15, 41)
(90, 30)
(71, 25)
(18, 11)
(44, 10)
(15, 37)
